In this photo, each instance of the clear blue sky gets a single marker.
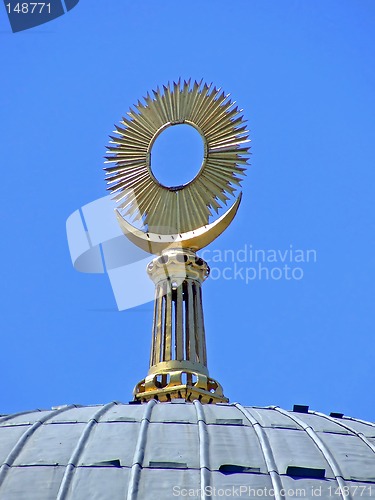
(304, 73)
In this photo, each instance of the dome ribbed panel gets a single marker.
(158, 450)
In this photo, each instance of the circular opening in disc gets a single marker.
(177, 155)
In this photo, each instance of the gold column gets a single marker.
(178, 362)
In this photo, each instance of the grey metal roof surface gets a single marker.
(168, 450)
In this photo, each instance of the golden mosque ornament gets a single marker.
(176, 224)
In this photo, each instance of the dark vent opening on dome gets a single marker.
(168, 465)
(237, 469)
(306, 472)
(284, 426)
(301, 409)
(107, 463)
(229, 421)
(137, 402)
(336, 415)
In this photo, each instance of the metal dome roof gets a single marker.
(166, 450)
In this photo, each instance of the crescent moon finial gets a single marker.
(194, 240)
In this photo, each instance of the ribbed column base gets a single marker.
(179, 385)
